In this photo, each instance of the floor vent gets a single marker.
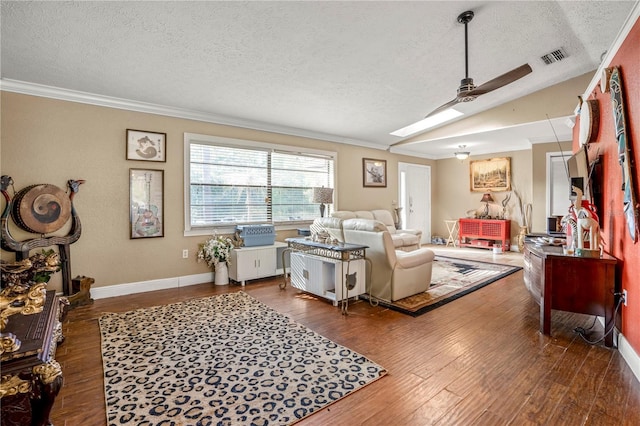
(555, 56)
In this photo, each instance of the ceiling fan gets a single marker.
(468, 91)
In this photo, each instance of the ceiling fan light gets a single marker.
(461, 155)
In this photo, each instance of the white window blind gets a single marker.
(293, 177)
(231, 185)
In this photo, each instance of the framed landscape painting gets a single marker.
(490, 175)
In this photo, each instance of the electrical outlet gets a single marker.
(185, 254)
(624, 297)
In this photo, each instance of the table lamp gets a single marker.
(323, 196)
(486, 199)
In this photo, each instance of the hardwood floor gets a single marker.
(479, 360)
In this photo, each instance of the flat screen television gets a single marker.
(579, 173)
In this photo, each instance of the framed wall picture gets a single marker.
(146, 203)
(146, 146)
(490, 175)
(374, 173)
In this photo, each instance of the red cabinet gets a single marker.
(484, 233)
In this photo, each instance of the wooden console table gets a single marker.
(31, 377)
(483, 233)
(570, 283)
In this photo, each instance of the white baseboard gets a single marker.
(144, 286)
(629, 355)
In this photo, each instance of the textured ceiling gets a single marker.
(345, 71)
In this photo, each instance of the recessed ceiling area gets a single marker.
(350, 72)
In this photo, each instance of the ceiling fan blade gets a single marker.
(441, 108)
(498, 82)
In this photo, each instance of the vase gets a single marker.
(521, 236)
(221, 274)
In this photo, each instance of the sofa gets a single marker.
(392, 274)
(403, 239)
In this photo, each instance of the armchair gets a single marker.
(395, 274)
(407, 236)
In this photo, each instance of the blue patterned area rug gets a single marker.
(222, 360)
(451, 279)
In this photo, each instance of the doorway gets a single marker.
(414, 196)
(558, 187)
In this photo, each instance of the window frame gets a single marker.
(553, 186)
(190, 138)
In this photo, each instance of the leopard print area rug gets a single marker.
(222, 360)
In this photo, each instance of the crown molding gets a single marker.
(41, 90)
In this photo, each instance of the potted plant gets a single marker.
(216, 251)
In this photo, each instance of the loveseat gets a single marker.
(403, 239)
(394, 274)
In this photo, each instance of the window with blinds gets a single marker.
(233, 182)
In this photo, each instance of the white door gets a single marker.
(415, 198)
(558, 187)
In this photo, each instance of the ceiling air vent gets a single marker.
(555, 56)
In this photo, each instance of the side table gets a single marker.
(332, 271)
(250, 263)
(452, 227)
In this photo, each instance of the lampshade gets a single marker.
(487, 198)
(461, 155)
(323, 195)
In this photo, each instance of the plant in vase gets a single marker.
(216, 251)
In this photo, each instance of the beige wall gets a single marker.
(528, 178)
(455, 198)
(50, 141)
(539, 182)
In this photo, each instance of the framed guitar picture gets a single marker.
(146, 205)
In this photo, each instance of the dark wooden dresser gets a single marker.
(570, 283)
(31, 377)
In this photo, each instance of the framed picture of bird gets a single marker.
(374, 173)
(146, 146)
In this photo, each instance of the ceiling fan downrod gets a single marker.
(466, 84)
